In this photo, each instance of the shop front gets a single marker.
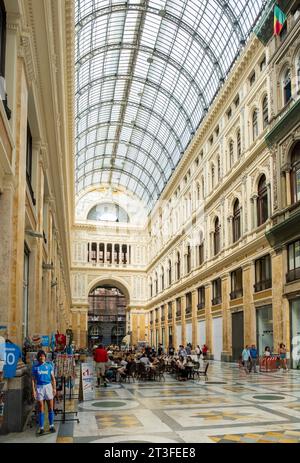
(264, 328)
(237, 323)
(295, 332)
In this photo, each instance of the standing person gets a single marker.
(282, 355)
(44, 388)
(204, 351)
(246, 358)
(160, 349)
(171, 351)
(253, 358)
(100, 357)
(198, 352)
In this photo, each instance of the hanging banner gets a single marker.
(87, 381)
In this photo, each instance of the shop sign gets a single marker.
(87, 378)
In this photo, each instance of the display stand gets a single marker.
(65, 370)
(63, 411)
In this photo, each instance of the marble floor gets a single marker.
(229, 407)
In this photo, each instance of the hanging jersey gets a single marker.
(42, 373)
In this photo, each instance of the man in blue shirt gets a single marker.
(44, 388)
(253, 358)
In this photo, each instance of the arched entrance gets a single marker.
(106, 315)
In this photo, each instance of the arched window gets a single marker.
(238, 144)
(212, 176)
(156, 283)
(219, 168)
(178, 266)
(202, 187)
(217, 237)
(188, 259)
(170, 272)
(236, 224)
(231, 156)
(295, 173)
(255, 124)
(201, 249)
(151, 288)
(287, 86)
(162, 278)
(262, 201)
(265, 112)
(198, 192)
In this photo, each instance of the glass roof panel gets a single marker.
(146, 71)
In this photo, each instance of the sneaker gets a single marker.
(52, 429)
(41, 432)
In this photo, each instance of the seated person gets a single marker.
(182, 371)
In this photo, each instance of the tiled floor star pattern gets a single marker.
(190, 412)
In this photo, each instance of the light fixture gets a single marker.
(34, 234)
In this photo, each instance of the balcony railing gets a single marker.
(262, 285)
(188, 311)
(201, 305)
(237, 293)
(216, 300)
(293, 275)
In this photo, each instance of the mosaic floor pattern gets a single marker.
(231, 407)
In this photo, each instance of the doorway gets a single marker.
(106, 316)
(237, 321)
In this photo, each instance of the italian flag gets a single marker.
(279, 20)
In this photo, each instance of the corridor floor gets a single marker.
(230, 407)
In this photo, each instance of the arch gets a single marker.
(286, 84)
(118, 282)
(262, 171)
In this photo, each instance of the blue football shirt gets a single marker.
(42, 373)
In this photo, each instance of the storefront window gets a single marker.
(295, 333)
(293, 261)
(264, 328)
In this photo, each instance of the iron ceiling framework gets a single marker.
(146, 74)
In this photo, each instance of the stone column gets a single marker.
(254, 211)
(249, 308)
(230, 231)
(269, 193)
(174, 324)
(12, 39)
(288, 187)
(208, 316)
(277, 299)
(183, 324)
(83, 327)
(226, 318)
(194, 318)
(18, 220)
(6, 232)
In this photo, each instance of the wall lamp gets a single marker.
(34, 234)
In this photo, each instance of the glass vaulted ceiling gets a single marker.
(146, 73)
